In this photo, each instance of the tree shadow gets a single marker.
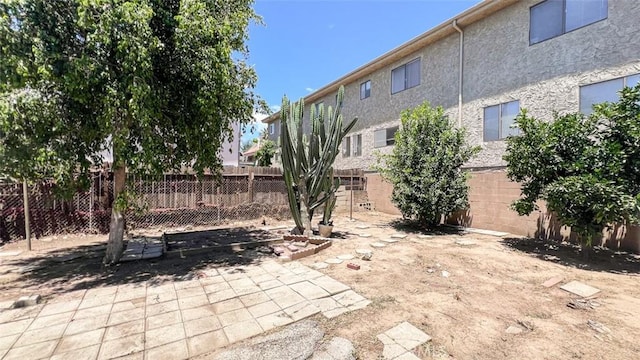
(77, 268)
(462, 218)
(568, 254)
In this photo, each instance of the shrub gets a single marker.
(425, 166)
(587, 169)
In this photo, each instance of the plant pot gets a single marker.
(325, 230)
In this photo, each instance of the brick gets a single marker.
(353, 266)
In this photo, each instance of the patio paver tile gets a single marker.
(207, 342)
(122, 346)
(164, 335)
(124, 329)
(78, 341)
(201, 325)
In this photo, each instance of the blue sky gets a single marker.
(305, 44)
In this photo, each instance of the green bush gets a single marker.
(266, 152)
(587, 169)
(425, 166)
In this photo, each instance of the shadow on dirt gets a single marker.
(76, 268)
(418, 229)
(569, 254)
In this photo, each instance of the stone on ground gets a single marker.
(580, 289)
(336, 349)
(296, 341)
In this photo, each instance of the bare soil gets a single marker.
(464, 296)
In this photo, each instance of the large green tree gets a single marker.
(586, 168)
(425, 166)
(157, 83)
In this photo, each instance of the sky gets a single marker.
(306, 44)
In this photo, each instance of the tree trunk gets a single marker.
(115, 246)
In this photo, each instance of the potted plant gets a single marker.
(325, 227)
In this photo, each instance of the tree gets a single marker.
(157, 82)
(586, 168)
(266, 152)
(247, 144)
(425, 166)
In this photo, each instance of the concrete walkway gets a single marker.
(173, 320)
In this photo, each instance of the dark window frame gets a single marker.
(357, 142)
(406, 77)
(500, 107)
(367, 92)
(389, 139)
(346, 147)
(564, 21)
(625, 83)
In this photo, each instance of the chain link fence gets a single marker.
(172, 200)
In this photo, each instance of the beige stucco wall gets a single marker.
(499, 66)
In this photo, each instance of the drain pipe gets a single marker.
(461, 67)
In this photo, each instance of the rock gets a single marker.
(296, 341)
(514, 330)
(320, 265)
(25, 301)
(445, 274)
(336, 349)
(364, 235)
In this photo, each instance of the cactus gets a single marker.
(307, 162)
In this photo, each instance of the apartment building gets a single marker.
(482, 67)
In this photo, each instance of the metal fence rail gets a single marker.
(169, 201)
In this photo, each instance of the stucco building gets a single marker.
(482, 67)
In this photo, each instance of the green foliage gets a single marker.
(266, 152)
(158, 81)
(587, 169)
(308, 160)
(425, 166)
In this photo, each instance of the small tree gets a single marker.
(425, 166)
(587, 169)
(266, 152)
(156, 83)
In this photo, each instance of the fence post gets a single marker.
(91, 192)
(250, 177)
(351, 200)
(27, 227)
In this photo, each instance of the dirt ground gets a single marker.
(463, 296)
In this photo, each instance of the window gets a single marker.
(384, 137)
(405, 76)
(365, 89)
(346, 146)
(318, 106)
(498, 120)
(272, 128)
(606, 91)
(357, 145)
(552, 18)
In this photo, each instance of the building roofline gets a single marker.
(466, 18)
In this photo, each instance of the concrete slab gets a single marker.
(207, 342)
(10, 253)
(123, 330)
(263, 309)
(378, 245)
(202, 325)
(580, 289)
(86, 353)
(333, 261)
(486, 232)
(33, 351)
(173, 351)
(389, 241)
(320, 265)
(309, 290)
(398, 236)
(242, 330)
(345, 257)
(79, 341)
(407, 335)
(301, 311)
(164, 335)
(87, 324)
(553, 281)
(330, 285)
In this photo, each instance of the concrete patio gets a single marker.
(173, 319)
